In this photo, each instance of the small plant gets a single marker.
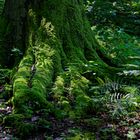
(116, 98)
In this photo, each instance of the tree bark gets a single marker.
(51, 45)
(51, 35)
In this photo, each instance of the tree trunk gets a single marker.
(51, 44)
(52, 36)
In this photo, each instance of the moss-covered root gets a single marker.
(21, 89)
(21, 129)
(32, 80)
(70, 94)
(37, 70)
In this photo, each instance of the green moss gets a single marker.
(25, 130)
(74, 34)
(78, 134)
(48, 38)
(93, 122)
(22, 129)
(36, 70)
(13, 120)
(58, 89)
(44, 123)
(69, 92)
(20, 85)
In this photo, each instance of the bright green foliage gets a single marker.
(70, 90)
(114, 12)
(34, 75)
(114, 42)
(59, 88)
(76, 134)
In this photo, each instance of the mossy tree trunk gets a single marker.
(45, 39)
(51, 45)
(56, 65)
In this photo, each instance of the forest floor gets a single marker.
(99, 127)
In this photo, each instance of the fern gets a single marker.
(119, 98)
(115, 91)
